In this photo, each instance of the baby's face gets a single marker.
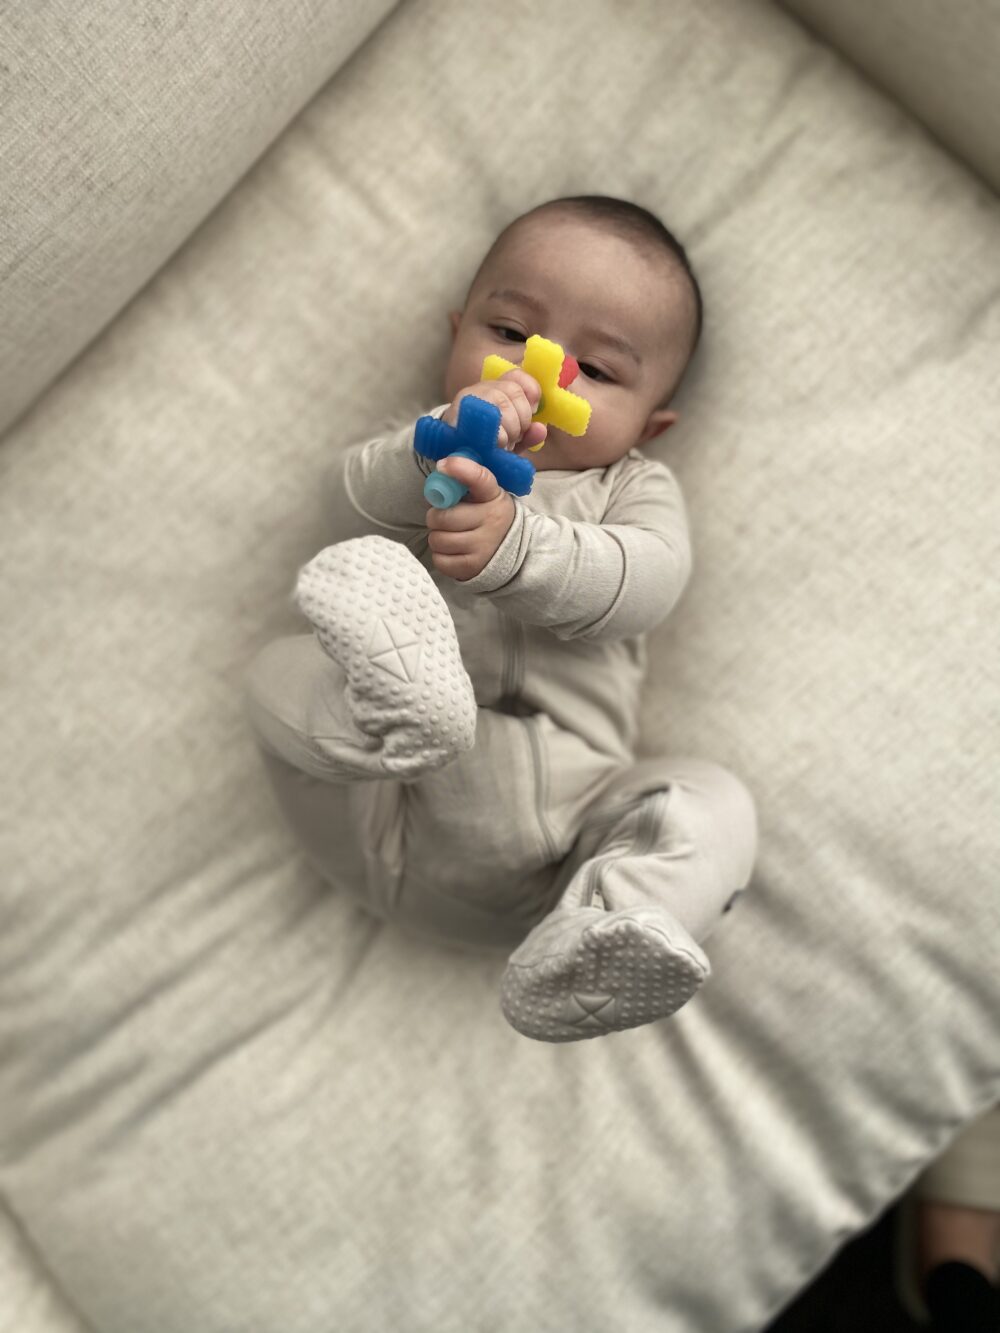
(624, 315)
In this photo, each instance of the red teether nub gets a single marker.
(569, 371)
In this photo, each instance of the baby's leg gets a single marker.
(486, 836)
(348, 717)
(379, 690)
(661, 857)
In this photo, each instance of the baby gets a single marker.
(453, 742)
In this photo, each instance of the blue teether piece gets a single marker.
(474, 436)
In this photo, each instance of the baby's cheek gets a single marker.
(465, 360)
(452, 382)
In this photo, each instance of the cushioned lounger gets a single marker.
(229, 1100)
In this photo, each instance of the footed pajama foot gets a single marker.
(585, 972)
(377, 612)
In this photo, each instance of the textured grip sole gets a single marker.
(377, 612)
(587, 972)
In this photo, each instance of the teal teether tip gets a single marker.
(443, 491)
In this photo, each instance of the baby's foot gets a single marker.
(377, 612)
(584, 972)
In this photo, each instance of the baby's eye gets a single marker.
(592, 372)
(515, 335)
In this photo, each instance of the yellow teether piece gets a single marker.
(543, 361)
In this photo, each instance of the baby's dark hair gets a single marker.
(634, 222)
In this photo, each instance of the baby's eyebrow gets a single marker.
(597, 335)
(512, 294)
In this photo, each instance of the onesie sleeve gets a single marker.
(378, 487)
(597, 581)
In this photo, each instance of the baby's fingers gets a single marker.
(525, 394)
(515, 412)
(534, 435)
(515, 394)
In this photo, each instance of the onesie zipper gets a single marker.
(541, 794)
(512, 674)
(653, 804)
(512, 635)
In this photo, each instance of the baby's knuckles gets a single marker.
(491, 392)
(529, 386)
(515, 393)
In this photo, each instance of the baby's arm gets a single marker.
(377, 487)
(607, 580)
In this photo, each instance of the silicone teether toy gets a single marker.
(478, 427)
(474, 436)
(544, 361)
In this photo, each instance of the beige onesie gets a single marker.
(518, 816)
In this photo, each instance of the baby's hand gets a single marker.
(465, 538)
(517, 395)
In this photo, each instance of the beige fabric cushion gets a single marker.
(942, 61)
(123, 126)
(31, 1301)
(231, 1101)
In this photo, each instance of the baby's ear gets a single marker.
(659, 421)
(454, 318)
